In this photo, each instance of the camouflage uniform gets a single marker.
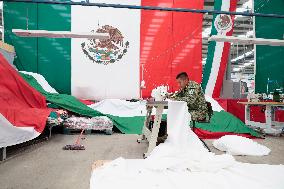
(193, 95)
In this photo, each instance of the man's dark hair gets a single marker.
(182, 75)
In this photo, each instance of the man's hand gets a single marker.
(170, 96)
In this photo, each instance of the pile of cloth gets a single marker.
(100, 123)
(183, 162)
(23, 108)
(57, 118)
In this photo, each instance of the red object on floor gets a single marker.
(86, 102)
(203, 134)
(257, 112)
(21, 104)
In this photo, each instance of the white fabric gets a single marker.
(182, 162)
(238, 145)
(120, 108)
(215, 105)
(90, 80)
(41, 80)
(11, 135)
(183, 150)
(125, 108)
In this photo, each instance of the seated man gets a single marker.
(192, 94)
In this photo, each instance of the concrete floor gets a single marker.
(47, 166)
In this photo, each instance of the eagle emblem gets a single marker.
(106, 51)
(223, 23)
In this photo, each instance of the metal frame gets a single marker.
(269, 115)
(59, 34)
(151, 136)
(245, 40)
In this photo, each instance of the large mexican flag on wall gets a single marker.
(148, 46)
(269, 59)
(218, 52)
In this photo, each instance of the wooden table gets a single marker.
(151, 136)
(269, 114)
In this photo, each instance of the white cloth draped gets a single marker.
(182, 162)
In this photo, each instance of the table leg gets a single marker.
(268, 116)
(2, 153)
(247, 114)
(145, 129)
(155, 130)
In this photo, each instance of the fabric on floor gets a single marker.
(238, 145)
(225, 122)
(128, 125)
(12, 135)
(203, 134)
(20, 104)
(182, 162)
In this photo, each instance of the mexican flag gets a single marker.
(145, 47)
(129, 117)
(218, 52)
(23, 111)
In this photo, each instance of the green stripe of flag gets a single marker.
(211, 48)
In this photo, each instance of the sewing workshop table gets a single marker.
(269, 114)
(151, 136)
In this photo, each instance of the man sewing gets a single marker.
(192, 94)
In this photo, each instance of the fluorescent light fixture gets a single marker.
(247, 63)
(59, 34)
(236, 69)
(243, 56)
(249, 33)
(244, 40)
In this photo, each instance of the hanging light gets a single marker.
(59, 34)
(244, 40)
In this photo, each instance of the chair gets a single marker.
(206, 120)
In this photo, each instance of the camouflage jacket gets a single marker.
(193, 95)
